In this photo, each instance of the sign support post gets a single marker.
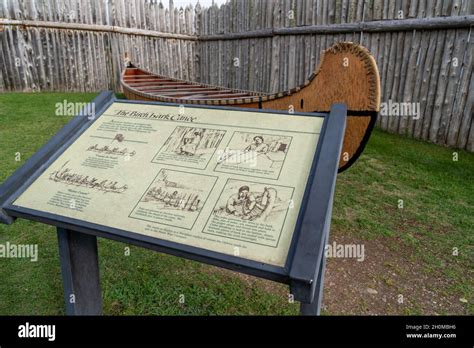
(314, 308)
(211, 208)
(80, 271)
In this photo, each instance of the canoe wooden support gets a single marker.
(347, 73)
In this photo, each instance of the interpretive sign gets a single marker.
(224, 186)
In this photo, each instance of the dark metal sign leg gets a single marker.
(314, 308)
(80, 270)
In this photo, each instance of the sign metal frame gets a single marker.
(304, 267)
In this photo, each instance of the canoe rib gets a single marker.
(347, 73)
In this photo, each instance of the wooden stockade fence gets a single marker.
(423, 48)
(80, 45)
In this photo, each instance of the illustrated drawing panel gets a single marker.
(190, 147)
(250, 211)
(174, 198)
(254, 154)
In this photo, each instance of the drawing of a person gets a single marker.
(195, 205)
(190, 143)
(258, 145)
(259, 207)
(241, 203)
(186, 147)
(169, 200)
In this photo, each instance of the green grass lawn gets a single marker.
(409, 250)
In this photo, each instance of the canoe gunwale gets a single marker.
(254, 97)
(328, 84)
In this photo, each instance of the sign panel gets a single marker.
(224, 180)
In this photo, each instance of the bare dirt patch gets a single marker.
(390, 280)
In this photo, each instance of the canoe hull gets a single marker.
(346, 74)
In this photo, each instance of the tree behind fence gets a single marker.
(430, 67)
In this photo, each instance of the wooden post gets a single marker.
(80, 271)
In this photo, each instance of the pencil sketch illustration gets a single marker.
(254, 150)
(119, 138)
(174, 197)
(253, 201)
(176, 191)
(69, 176)
(112, 150)
(187, 141)
(190, 147)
